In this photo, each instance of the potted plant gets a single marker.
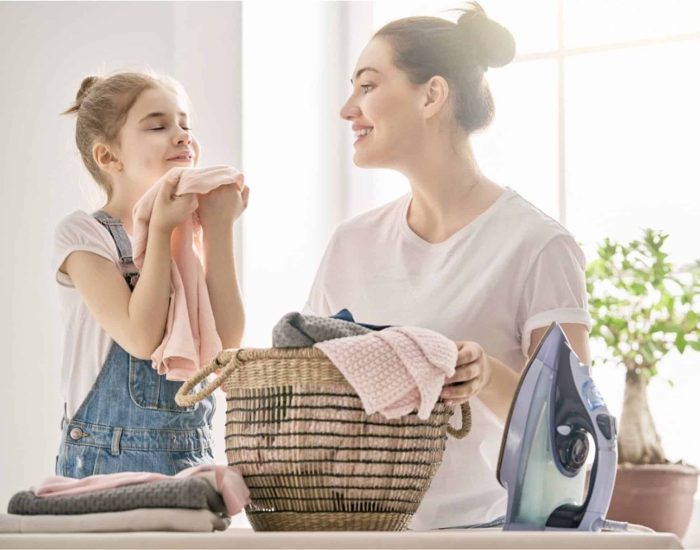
(643, 308)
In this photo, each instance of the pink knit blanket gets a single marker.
(190, 338)
(228, 482)
(396, 370)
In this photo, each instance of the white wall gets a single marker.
(47, 48)
(296, 78)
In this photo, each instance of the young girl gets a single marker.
(120, 414)
(459, 254)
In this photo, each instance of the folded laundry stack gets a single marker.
(201, 498)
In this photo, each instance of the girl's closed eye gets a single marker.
(366, 88)
(163, 128)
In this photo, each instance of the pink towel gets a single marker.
(190, 338)
(396, 370)
(229, 483)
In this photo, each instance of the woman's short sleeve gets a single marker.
(80, 231)
(554, 290)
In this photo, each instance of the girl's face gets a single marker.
(384, 108)
(156, 137)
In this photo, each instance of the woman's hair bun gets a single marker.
(493, 45)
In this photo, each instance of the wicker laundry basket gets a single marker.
(311, 457)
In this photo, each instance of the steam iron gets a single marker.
(556, 411)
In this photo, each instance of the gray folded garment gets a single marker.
(194, 492)
(149, 519)
(295, 330)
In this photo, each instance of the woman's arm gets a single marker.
(495, 382)
(575, 333)
(500, 388)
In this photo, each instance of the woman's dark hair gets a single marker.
(460, 52)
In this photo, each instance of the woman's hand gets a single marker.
(472, 374)
(222, 206)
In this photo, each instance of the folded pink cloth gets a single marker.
(396, 370)
(190, 338)
(229, 483)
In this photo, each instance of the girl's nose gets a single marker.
(184, 137)
(349, 110)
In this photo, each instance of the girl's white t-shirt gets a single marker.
(85, 343)
(509, 271)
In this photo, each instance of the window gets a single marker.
(596, 124)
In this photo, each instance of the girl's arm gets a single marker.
(135, 320)
(218, 210)
(222, 284)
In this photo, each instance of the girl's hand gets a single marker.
(472, 374)
(170, 209)
(222, 206)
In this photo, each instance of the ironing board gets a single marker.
(246, 538)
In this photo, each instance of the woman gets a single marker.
(460, 254)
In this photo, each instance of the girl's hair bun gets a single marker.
(491, 43)
(85, 86)
(87, 83)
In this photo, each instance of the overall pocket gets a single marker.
(151, 390)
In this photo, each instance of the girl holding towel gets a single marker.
(459, 254)
(137, 323)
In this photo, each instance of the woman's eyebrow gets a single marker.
(362, 70)
(156, 115)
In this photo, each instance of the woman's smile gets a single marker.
(361, 132)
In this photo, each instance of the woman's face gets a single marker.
(156, 137)
(384, 108)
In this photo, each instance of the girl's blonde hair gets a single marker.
(101, 106)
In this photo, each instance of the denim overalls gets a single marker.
(129, 421)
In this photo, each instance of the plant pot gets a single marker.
(659, 496)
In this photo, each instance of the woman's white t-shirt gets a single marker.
(85, 343)
(511, 270)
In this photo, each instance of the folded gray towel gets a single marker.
(176, 493)
(295, 330)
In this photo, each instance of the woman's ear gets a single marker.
(106, 159)
(436, 93)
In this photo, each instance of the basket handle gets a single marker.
(465, 428)
(228, 359)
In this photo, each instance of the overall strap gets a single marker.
(121, 239)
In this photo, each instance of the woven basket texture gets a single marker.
(310, 455)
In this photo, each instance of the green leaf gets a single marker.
(642, 306)
(680, 342)
(694, 345)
